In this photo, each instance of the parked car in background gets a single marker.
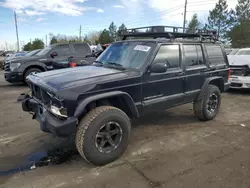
(21, 55)
(3, 57)
(240, 69)
(17, 70)
(72, 62)
(15, 55)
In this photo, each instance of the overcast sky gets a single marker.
(36, 18)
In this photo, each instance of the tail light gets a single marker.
(72, 64)
(229, 73)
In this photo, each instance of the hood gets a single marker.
(73, 77)
(25, 59)
(239, 60)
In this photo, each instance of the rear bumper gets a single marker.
(48, 122)
(13, 77)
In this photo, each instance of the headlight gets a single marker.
(59, 111)
(14, 66)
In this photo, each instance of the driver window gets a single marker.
(62, 50)
(169, 54)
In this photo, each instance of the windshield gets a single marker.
(129, 54)
(243, 52)
(32, 53)
(43, 51)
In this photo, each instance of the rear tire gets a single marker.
(29, 71)
(103, 134)
(208, 106)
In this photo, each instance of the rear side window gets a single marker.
(169, 54)
(62, 50)
(193, 55)
(215, 54)
(82, 49)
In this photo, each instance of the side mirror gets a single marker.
(158, 68)
(53, 54)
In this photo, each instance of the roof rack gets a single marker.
(170, 32)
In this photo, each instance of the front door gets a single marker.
(162, 90)
(63, 52)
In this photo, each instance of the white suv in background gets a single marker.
(240, 69)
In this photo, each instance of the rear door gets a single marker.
(63, 51)
(196, 69)
(80, 53)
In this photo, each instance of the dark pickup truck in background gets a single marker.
(18, 70)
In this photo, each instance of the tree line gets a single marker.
(232, 26)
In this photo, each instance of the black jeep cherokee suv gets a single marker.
(130, 78)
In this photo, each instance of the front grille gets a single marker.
(236, 85)
(6, 66)
(40, 94)
(240, 70)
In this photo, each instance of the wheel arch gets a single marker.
(38, 66)
(124, 99)
(216, 81)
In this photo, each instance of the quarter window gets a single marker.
(169, 54)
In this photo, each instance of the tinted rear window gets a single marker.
(82, 49)
(215, 54)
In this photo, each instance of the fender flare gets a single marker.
(129, 101)
(38, 64)
(207, 82)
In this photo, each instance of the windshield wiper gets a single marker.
(116, 65)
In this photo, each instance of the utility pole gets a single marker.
(16, 32)
(185, 15)
(80, 33)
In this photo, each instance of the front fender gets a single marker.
(129, 101)
(26, 65)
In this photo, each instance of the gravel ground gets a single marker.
(167, 149)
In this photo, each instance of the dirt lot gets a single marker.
(167, 149)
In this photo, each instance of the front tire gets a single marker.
(103, 134)
(208, 106)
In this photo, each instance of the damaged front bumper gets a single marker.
(48, 122)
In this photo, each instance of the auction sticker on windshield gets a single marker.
(142, 48)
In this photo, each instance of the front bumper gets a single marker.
(48, 122)
(13, 77)
(240, 82)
